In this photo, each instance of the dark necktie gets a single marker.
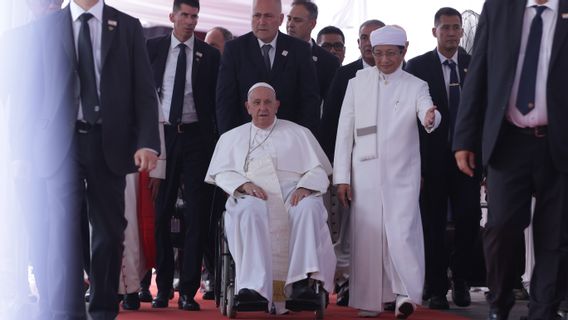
(265, 49)
(89, 95)
(179, 86)
(526, 93)
(454, 98)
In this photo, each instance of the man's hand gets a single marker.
(154, 186)
(430, 117)
(145, 160)
(298, 195)
(466, 161)
(252, 190)
(344, 194)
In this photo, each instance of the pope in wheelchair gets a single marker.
(275, 172)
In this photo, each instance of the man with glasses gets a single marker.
(377, 174)
(332, 39)
(327, 131)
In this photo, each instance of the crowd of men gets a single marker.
(259, 125)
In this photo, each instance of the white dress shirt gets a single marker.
(446, 71)
(272, 52)
(95, 26)
(537, 116)
(189, 114)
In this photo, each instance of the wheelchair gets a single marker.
(226, 299)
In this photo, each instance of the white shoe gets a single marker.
(368, 314)
(404, 307)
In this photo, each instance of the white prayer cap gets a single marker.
(389, 35)
(260, 84)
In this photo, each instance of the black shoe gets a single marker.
(161, 301)
(521, 294)
(438, 302)
(301, 290)
(343, 294)
(187, 303)
(88, 295)
(495, 314)
(145, 295)
(131, 301)
(249, 295)
(426, 294)
(208, 295)
(460, 293)
(389, 306)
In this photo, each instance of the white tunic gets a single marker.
(377, 153)
(297, 161)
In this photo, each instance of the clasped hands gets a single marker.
(252, 189)
(430, 117)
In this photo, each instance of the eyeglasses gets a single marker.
(387, 54)
(335, 45)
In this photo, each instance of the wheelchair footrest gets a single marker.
(251, 305)
(303, 305)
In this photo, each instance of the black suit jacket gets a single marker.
(332, 105)
(434, 146)
(326, 66)
(203, 79)
(293, 76)
(491, 73)
(129, 107)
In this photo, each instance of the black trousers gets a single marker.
(521, 167)
(188, 157)
(85, 175)
(447, 185)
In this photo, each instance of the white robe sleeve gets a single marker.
(229, 181)
(423, 103)
(315, 179)
(160, 171)
(345, 139)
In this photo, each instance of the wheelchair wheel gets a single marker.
(218, 264)
(231, 310)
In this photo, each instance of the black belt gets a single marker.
(537, 132)
(85, 127)
(183, 127)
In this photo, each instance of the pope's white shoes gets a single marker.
(404, 307)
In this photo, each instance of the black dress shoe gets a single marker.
(460, 293)
(343, 294)
(131, 301)
(145, 296)
(161, 301)
(187, 303)
(301, 290)
(249, 295)
(438, 302)
(495, 314)
(208, 295)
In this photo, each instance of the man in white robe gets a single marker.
(274, 172)
(377, 171)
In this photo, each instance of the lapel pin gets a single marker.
(565, 15)
(315, 58)
(464, 69)
(199, 54)
(285, 53)
(112, 24)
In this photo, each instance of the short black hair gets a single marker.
(446, 11)
(310, 6)
(330, 30)
(191, 3)
(227, 35)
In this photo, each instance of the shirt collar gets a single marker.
(189, 42)
(255, 128)
(392, 76)
(272, 43)
(551, 4)
(96, 10)
(454, 58)
(365, 64)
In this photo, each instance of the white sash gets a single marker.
(262, 173)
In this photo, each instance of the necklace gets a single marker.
(251, 148)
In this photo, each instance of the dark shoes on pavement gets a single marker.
(187, 303)
(460, 293)
(437, 302)
(131, 301)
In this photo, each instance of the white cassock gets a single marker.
(377, 153)
(273, 243)
(133, 264)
